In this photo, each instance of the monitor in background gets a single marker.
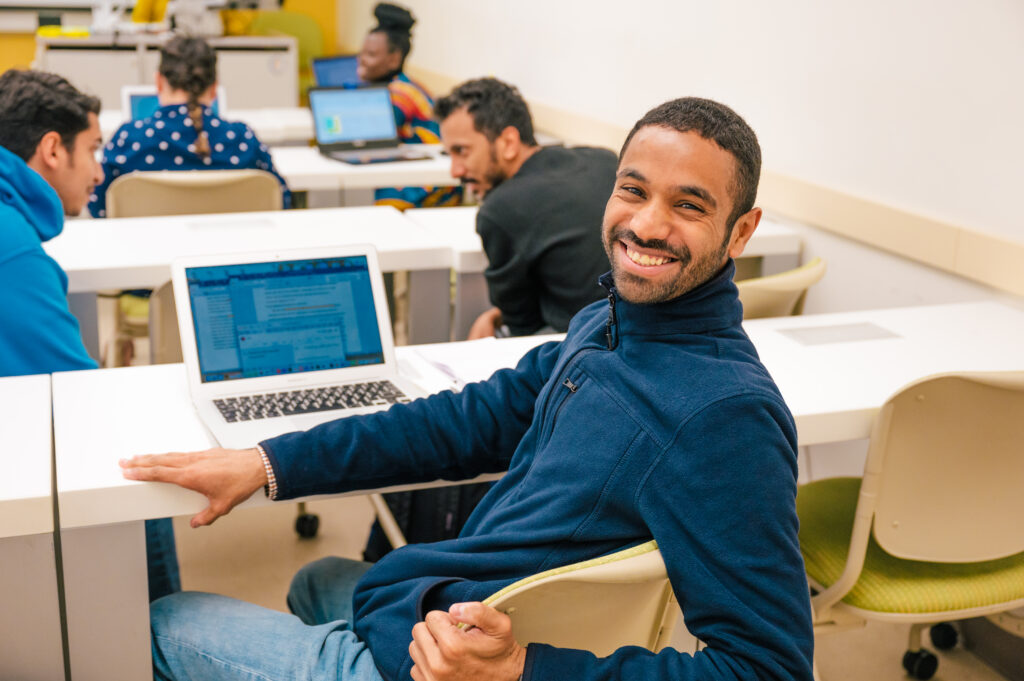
(339, 71)
(140, 101)
(353, 119)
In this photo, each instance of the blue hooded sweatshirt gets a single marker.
(38, 334)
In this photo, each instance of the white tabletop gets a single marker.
(25, 456)
(137, 252)
(833, 389)
(306, 169)
(458, 226)
(279, 125)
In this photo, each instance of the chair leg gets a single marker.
(918, 662)
(914, 639)
(306, 524)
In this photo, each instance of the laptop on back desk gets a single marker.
(357, 126)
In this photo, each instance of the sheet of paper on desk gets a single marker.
(476, 360)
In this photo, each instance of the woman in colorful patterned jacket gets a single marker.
(382, 60)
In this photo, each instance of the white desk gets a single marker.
(30, 637)
(776, 245)
(278, 125)
(833, 390)
(129, 253)
(306, 169)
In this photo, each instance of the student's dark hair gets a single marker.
(494, 106)
(721, 125)
(33, 103)
(396, 24)
(190, 64)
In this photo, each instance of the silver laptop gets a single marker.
(283, 341)
(357, 125)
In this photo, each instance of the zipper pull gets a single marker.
(612, 322)
(570, 385)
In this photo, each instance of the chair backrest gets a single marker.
(184, 192)
(779, 295)
(946, 462)
(599, 605)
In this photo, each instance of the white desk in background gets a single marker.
(30, 636)
(336, 183)
(833, 387)
(773, 248)
(131, 253)
(277, 125)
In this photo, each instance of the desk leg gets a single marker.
(471, 300)
(430, 307)
(83, 307)
(30, 641)
(107, 597)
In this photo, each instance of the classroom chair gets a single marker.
(600, 605)
(779, 295)
(932, 531)
(192, 192)
(306, 32)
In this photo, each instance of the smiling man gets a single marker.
(540, 218)
(652, 419)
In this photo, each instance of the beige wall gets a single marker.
(897, 124)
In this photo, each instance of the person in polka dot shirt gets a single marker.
(184, 133)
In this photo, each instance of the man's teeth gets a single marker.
(644, 259)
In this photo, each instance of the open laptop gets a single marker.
(357, 126)
(140, 101)
(283, 341)
(338, 71)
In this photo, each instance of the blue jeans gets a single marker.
(205, 636)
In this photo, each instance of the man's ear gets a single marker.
(742, 231)
(508, 143)
(48, 154)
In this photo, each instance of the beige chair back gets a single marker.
(192, 192)
(946, 462)
(599, 605)
(779, 295)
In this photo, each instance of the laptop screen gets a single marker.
(265, 319)
(145, 105)
(337, 71)
(343, 115)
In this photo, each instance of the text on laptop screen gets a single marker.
(337, 71)
(145, 105)
(352, 115)
(266, 319)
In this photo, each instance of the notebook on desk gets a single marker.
(357, 126)
(276, 342)
(141, 101)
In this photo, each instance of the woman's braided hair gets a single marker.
(190, 64)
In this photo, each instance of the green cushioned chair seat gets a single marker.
(890, 584)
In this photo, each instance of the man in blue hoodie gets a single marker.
(49, 135)
(654, 418)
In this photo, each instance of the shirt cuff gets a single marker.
(270, 489)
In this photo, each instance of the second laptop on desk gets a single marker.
(284, 341)
(357, 126)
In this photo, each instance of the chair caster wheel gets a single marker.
(307, 524)
(943, 636)
(920, 665)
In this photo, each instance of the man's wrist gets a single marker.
(270, 489)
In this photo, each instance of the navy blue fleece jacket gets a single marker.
(647, 421)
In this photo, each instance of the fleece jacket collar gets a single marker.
(25, 190)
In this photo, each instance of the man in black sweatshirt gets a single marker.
(540, 219)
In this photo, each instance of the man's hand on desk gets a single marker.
(483, 651)
(226, 477)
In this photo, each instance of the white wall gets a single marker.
(916, 104)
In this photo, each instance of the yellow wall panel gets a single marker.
(326, 14)
(17, 50)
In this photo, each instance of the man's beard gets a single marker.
(493, 176)
(690, 274)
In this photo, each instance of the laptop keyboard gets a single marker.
(350, 396)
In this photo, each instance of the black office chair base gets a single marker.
(944, 636)
(920, 664)
(306, 524)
